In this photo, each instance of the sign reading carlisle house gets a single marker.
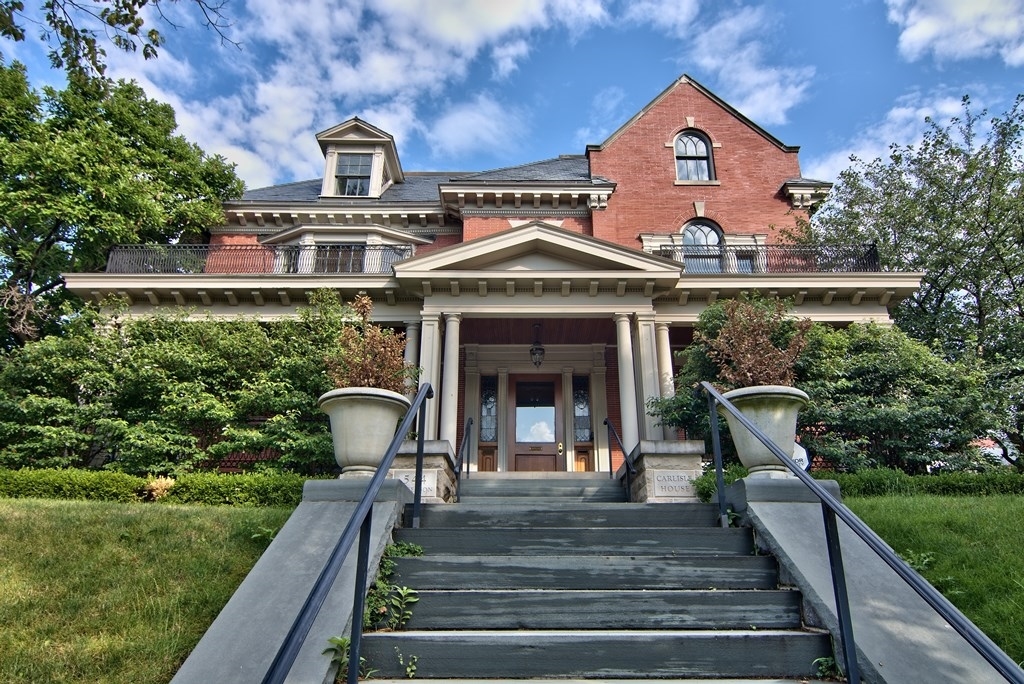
(538, 299)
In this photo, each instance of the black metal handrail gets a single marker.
(280, 259)
(462, 458)
(831, 509)
(754, 259)
(358, 525)
(629, 457)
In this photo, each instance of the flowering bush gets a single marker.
(758, 343)
(367, 355)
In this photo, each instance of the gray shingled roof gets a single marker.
(422, 186)
(570, 168)
(418, 187)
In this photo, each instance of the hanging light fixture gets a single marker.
(537, 350)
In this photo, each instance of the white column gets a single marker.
(650, 384)
(450, 381)
(599, 408)
(668, 384)
(627, 382)
(503, 409)
(412, 350)
(568, 409)
(430, 362)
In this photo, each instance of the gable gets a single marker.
(537, 247)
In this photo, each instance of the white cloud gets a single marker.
(482, 124)
(607, 112)
(960, 29)
(732, 51)
(507, 56)
(903, 124)
(673, 16)
(308, 64)
(540, 432)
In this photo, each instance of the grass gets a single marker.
(970, 548)
(107, 592)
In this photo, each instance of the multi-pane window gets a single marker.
(693, 157)
(583, 429)
(488, 408)
(702, 252)
(353, 174)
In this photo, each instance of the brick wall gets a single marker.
(750, 169)
(481, 226)
(221, 239)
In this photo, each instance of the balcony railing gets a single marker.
(224, 259)
(708, 259)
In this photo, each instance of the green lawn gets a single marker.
(104, 592)
(970, 548)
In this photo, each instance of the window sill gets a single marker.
(700, 182)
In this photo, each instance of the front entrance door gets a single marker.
(535, 438)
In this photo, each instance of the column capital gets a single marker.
(645, 316)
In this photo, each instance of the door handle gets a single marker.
(561, 448)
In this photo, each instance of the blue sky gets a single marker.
(479, 84)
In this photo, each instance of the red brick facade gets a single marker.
(749, 170)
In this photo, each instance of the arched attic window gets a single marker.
(693, 157)
(702, 247)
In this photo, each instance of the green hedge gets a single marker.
(887, 482)
(197, 488)
(93, 485)
(237, 490)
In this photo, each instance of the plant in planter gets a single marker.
(367, 365)
(756, 351)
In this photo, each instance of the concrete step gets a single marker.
(566, 541)
(616, 609)
(802, 680)
(578, 486)
(491, 571)
(543, 513)
(598, 654)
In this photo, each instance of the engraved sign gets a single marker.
(673, 483)
(408, 476)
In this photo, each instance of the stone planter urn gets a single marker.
(773, 409)
(363, 423)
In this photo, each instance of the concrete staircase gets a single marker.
(557, 578)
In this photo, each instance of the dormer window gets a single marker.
(353, 174)
(693, 157)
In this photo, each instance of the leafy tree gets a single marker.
(165, 394)
(80, 170)
(882, 399)
(75, 30)
(951, 208)
(878, 397)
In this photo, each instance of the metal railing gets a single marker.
(285, 259)
(629, 457)
(757, 259)
(462, 458)
(359, 525)
(832, 508)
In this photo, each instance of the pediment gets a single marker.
(353, 130)
(537, 248)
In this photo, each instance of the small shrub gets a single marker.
(158, 487)
(888, 482)
(86, 485)
(871, 482)
(706, 484)
(237, 490)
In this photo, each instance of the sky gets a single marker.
(472, 85)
